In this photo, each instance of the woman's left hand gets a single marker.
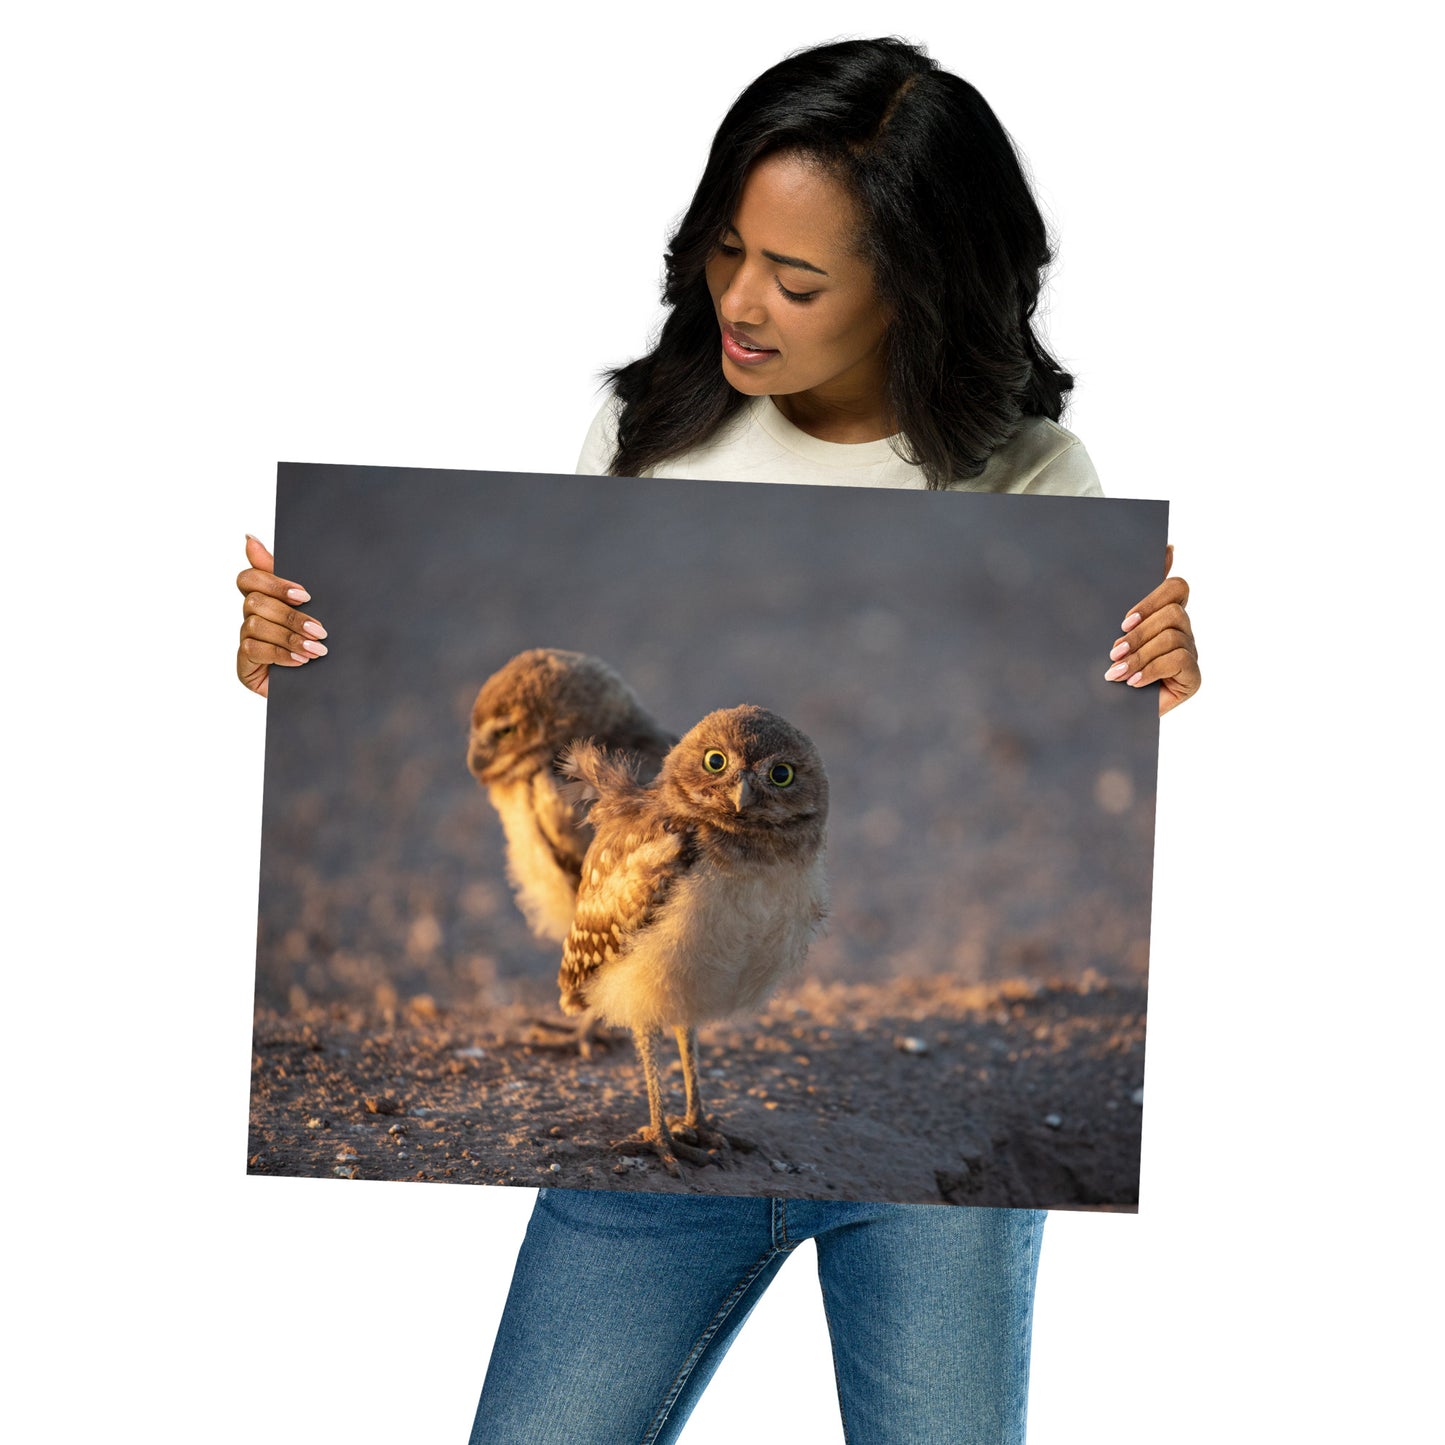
(1158, 643)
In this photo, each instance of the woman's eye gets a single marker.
(796, 295)
(725, 250)
(780, 775)
(714, 761)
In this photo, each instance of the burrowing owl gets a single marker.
(526, 713)
(699, 891)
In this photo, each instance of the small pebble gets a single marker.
(315, 1123)
(779, 1166)
(397, 1129)
(912, 1045)
(1054, 1121)
(423, 1005)
(554, 1168)
(475, 1052)
(1137, 1096)
(381, 1104)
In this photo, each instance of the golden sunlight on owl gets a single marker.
(699, 893)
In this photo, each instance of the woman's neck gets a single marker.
(848, 420)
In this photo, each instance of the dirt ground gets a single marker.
(917, 1090)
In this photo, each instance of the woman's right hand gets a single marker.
(272, 630)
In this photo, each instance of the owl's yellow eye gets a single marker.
(714, 761)
(780, 775)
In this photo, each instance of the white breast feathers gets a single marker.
(723, 940)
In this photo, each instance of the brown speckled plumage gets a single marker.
(526, 714)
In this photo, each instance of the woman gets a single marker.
(850, 296)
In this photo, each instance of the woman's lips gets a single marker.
(742, 349)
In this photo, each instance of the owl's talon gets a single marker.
(586, 1039)
(664, 1146)
(709, 1133)
(696, 1156)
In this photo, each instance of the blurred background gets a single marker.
(992, 798)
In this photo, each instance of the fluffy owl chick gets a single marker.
(526, 713)
(700, 891)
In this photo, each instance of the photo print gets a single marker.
(714, 837)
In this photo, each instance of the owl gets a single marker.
(526, 713)
(700, 892)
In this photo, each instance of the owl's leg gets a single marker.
(657, 1134)
(700, 1126)
(687, 1047)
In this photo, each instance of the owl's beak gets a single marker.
(485, 762)
(743, 792)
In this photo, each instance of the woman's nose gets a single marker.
(742, 300)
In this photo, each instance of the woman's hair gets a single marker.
(949, 227)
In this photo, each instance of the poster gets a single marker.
(967, 1027)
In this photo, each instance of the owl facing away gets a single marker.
(525, 715)
(700, 892)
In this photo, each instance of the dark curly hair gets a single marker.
(950, 228)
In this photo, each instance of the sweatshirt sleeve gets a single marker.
(600, 445)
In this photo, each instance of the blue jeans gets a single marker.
(623, 1305)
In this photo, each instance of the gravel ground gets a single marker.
(916, 1091)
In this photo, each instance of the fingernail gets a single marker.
(1130, 621)
(1136, 679)
(299, 657)
(314, 628)
(1121, 649)
(252, 537)
(297, 594)
(1116, 672)
(316, 649)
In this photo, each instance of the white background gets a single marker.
(411, 235)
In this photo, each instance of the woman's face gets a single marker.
(796, 305)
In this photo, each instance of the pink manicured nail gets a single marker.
(299, 657)
(315, 629)
(1135, 680)
(1121, 649)
(1116, 672)
(296, 594)
(1132, 620)
(316, 649)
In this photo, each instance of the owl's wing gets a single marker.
(633, 863)
(562, 825)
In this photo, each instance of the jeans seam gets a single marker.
(713, 1325)
(1024, 1336)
